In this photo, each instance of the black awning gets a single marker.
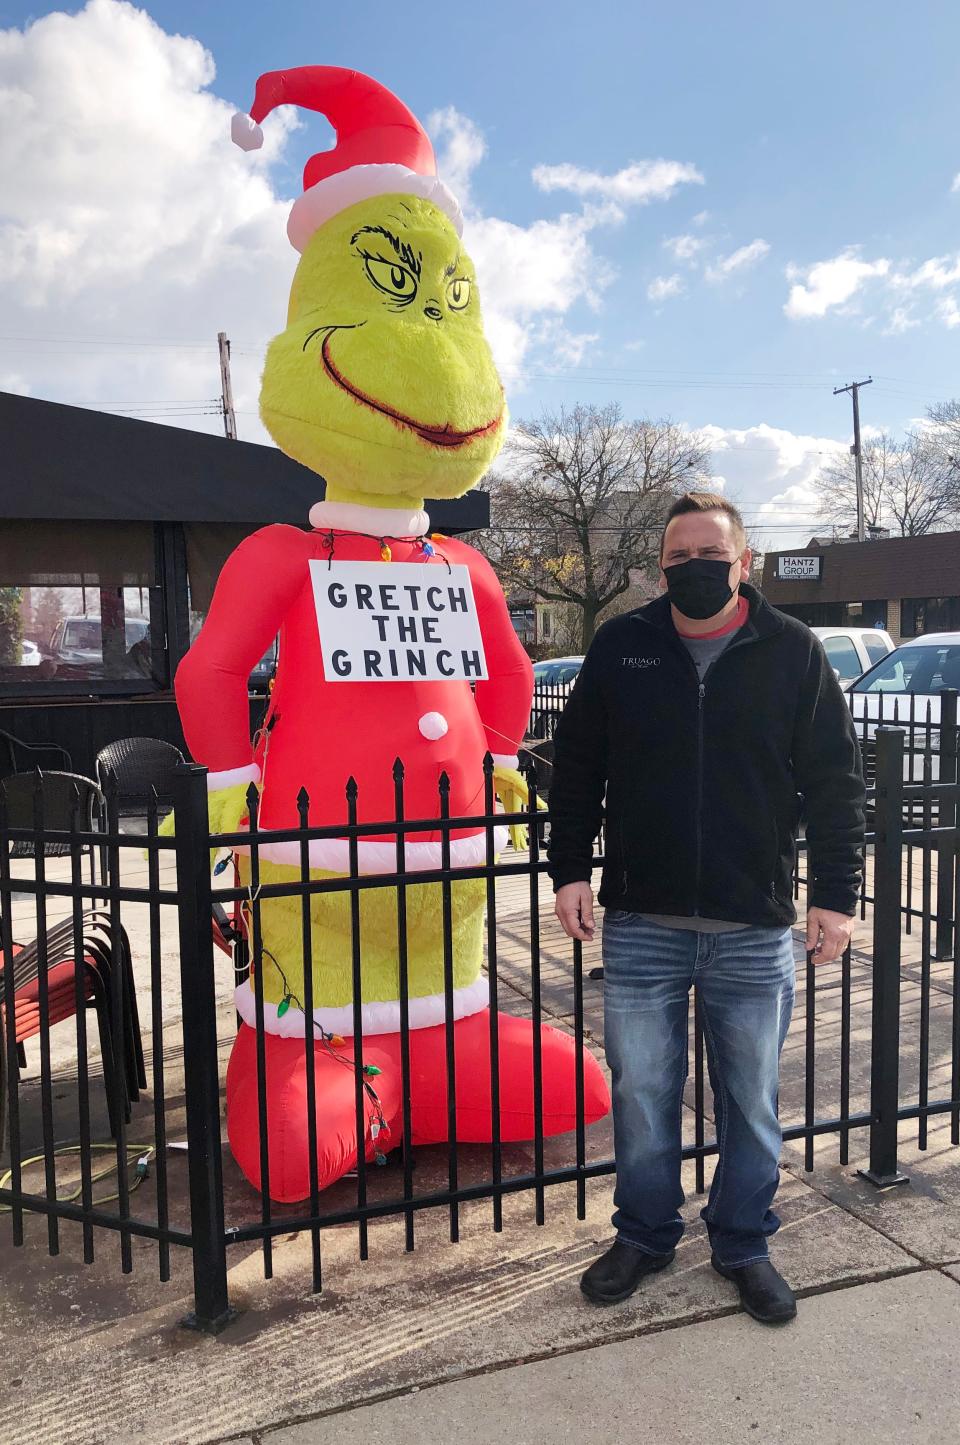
(67, 462)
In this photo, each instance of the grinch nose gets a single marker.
(433, 726)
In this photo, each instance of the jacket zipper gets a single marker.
(701, 692)
(701, 695)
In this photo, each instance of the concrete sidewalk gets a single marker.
(880, 1359)
(491, 1338)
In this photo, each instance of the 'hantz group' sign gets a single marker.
(397, 622)
(806, 569)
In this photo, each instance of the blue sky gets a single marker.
(809, 236)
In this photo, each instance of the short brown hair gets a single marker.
(705, 502)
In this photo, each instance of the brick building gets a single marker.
(908, 585)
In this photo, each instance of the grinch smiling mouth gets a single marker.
(438, 436)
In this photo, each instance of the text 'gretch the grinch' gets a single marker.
(394, 643)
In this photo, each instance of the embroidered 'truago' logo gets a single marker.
(640, 661)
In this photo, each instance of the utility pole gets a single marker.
(229, 416)
(854, 389)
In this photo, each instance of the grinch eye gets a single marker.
(391, 278)
(458, 294)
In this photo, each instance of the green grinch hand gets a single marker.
(511, 788)
(226, 807)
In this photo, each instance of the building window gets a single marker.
(523, 623)
(80, 609)
(929, 614)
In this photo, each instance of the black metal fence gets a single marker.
(886, 1055)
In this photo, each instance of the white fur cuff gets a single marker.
(424, 1012)
(233, 777)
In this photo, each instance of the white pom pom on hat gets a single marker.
(381, 148)
(245, 133)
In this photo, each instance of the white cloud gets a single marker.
(686, 247)
(936, 275)
(900, 321)
(126, 216)
(635, 184)
(829, 283)
(949, 312)
(530, 276)
(739, 260)
(956, 182)
(899, 291)
(701, 218)
(663, 287)
(770, 473)
(464, 147)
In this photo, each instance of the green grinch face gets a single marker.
(383, 381)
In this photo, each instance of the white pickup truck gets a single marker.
(852, 651)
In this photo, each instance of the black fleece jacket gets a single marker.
(702, 779)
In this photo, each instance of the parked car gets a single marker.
(77, 644)
(852, 651)
(552, 680)
(904, 690)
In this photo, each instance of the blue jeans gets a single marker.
(745, 981)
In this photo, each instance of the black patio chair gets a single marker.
(69, 802)
(16, 756)
(140, 766)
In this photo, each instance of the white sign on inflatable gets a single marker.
(397, 622)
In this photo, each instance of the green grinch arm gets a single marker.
(511, 788)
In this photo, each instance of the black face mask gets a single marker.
(699, 588)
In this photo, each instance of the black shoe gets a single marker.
(615, 1275)
(764, 1293)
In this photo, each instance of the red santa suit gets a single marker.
(320, 732)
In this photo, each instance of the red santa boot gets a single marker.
(286, 1099)
(428, 1081)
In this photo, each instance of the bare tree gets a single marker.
(943, 434)
(924, 493)
(579, 502)
(909, 486)
(944, 418)
(837, 485)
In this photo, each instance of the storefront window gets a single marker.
(929, 614)
(80, 608)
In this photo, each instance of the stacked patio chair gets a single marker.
(104, 949)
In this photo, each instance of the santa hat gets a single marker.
(382, 149)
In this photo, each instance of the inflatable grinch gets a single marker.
(393, 644)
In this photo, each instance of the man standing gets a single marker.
(701, 717)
